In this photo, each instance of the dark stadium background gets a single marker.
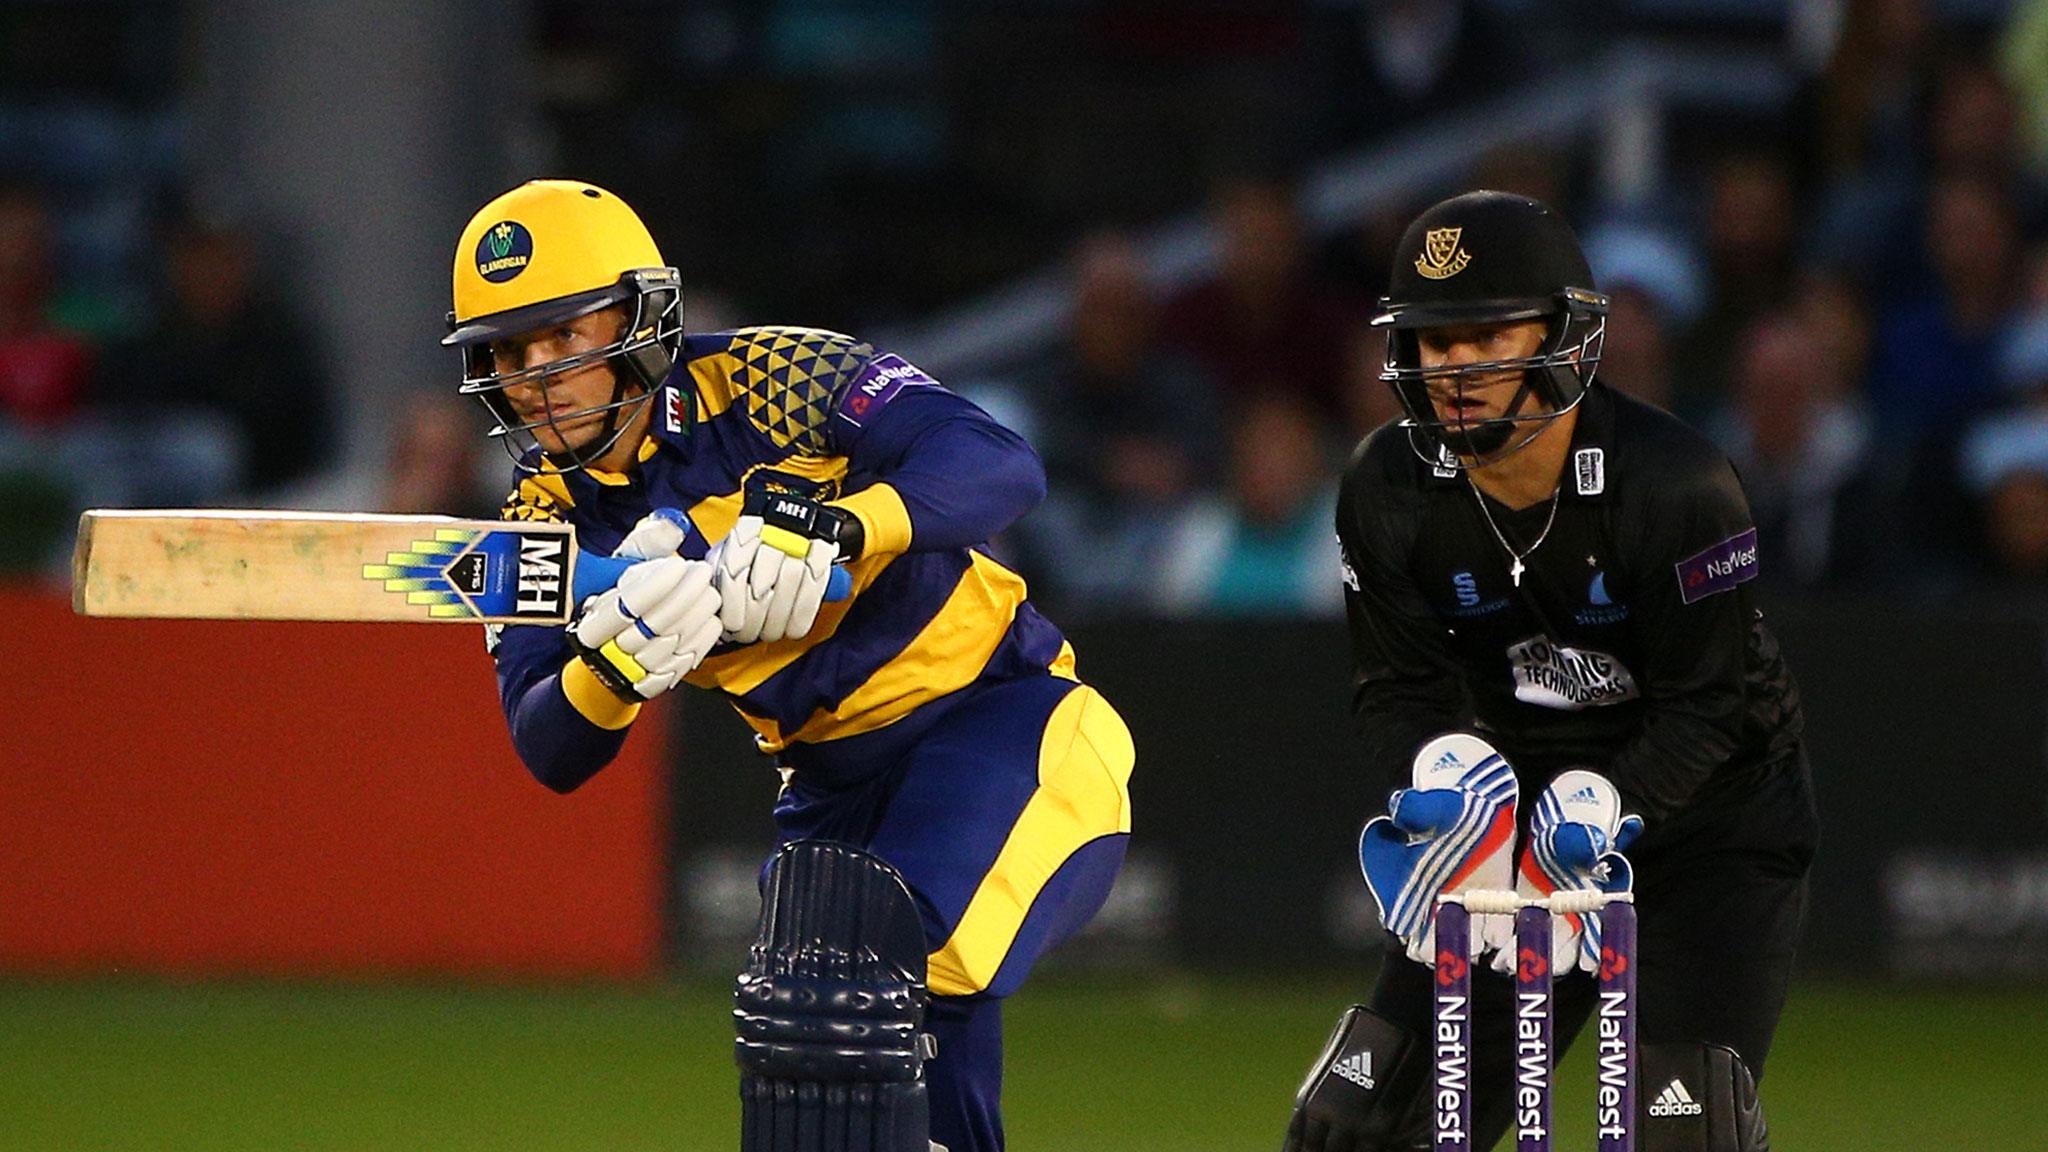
(286, 886)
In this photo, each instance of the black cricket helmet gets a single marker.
(1489, 258)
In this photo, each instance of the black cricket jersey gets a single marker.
(1631, 645)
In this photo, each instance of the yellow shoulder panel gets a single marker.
(542, 496)
(712, 375)
(785, 379)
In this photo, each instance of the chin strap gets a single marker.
(1512, 412)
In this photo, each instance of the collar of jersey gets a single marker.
(648, 447)
(677, 394)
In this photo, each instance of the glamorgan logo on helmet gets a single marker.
(1441, 257)
(504, 252)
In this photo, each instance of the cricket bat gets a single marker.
(217, 564)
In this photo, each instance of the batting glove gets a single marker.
(1452, 830)
(659, 533)
(641, 637)
(774, 567)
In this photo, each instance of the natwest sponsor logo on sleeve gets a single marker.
(1719, 568)
(885, 377)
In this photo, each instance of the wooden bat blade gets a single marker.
(252, 565)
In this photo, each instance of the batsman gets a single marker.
(954, 800)
(1558, 659)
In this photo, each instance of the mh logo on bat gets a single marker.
(540, 575)
(466, 574)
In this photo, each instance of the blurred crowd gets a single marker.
(1852, 300)
(1851, 296)
(199, 388)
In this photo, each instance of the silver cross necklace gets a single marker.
(1516, 569)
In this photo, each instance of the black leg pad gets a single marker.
(1361, 1095)
(1698, 1098)
(830, 1008)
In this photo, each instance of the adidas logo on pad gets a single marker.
(1674, 1100)
(1358, 1069)
(1584, 795)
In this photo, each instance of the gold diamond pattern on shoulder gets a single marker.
(531, 500)
(787, 378)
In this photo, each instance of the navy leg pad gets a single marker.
(830, 1008)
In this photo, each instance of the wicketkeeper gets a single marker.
(1559, 661)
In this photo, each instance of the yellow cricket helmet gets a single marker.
(546, 252)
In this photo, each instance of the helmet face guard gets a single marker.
(1557, 375)
(641, 359)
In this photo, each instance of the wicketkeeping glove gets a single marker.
(1576, 837)
(657, 622)
(773, 568)
(1454, 829)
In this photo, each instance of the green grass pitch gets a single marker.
(1185, 1064)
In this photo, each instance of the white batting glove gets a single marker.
(652, 628)
(775, 565)
(659, 533)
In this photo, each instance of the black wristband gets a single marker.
(808, 518)
(848, 534)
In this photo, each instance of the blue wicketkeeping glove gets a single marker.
(1453, 829)
(1576, 839)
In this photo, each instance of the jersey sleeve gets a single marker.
(1407, 682)
(1693, 621)
(565, 725)
(947, 475)
(950, 475)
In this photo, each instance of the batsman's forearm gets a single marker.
(565, 725)
(922, 452)
(945, 513)
(556, 733)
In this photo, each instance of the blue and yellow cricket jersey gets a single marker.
(930, 477)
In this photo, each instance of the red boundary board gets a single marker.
(204, 798)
